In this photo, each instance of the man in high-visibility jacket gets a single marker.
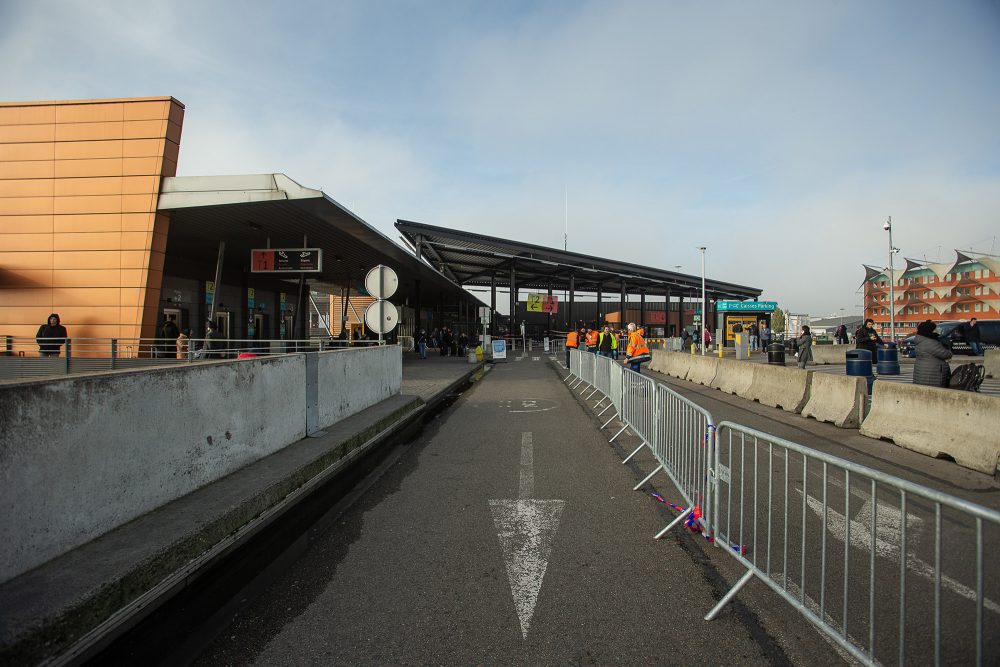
(591, 341)
(636, 352)
(572, 343)
(607, 343)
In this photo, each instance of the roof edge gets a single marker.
(109, 100)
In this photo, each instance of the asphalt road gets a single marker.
(508, 533)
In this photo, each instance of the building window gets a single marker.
(979, 307)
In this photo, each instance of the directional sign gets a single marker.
(543, 303)
(526, 528)
(286, 260)
(747, 306)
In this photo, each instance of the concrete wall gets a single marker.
(370, 374)
(82, 455)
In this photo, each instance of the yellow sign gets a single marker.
(543, 303)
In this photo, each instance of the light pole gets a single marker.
(892, 283)
(704, 312)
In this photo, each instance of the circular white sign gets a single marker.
(381, 317)
(381, 282)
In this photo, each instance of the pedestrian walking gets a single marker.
(422, 344)
(765, 335)
(607, 343)
(637, 352)
(931, 367)
(213, 347)
(51, 336)
(707, 339)
(971, 332)
(168, 343)
(805, 344)
(754, 337)
(183, 343)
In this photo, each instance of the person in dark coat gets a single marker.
(50, 337)
(805, 346)
(169, 333)
(866, 338)
(214, 347)
(971, 333)
(931, 367)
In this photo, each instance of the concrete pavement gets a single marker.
(470, 551)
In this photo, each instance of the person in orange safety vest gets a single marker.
(637, 352)
(572, 342)
(591, 341)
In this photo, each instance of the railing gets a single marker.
(889, 570)
(23, 357)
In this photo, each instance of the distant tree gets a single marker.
(778, 321)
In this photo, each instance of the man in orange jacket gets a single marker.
(572, 342)
(637, 352)
(591, 341)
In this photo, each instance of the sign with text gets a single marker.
(286, 260)
(499, 348)
(543, 303)
(747, 306)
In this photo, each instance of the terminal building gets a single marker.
(95, 225)
(960, 290)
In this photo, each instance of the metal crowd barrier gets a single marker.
(867, 557)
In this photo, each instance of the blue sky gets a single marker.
(778, 134)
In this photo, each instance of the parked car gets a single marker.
(950, 335)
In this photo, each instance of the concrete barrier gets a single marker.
(82, 455)
(659, 361)
(678, 365)
(702, 369)
(991, 361)
(936, 422)
(839, 399)
(830, 354)
(779, 387)
(733, 377)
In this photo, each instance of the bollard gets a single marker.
(888, 359)
(859, 364)
(776, 354)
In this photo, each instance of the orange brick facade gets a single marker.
(960, 290)
(79, 232)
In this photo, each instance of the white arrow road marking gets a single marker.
(525, 528)
(890, 523)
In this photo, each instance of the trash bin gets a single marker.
(859, 364)
(776, 354)
(888, 359)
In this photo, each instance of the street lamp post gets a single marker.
(704, 312)
(892, 283)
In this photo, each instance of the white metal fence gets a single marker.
(889, 570)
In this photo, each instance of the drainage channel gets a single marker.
(179, 630)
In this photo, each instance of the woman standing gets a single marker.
(805, 342)
(931, 367)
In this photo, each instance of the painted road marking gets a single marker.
(890, 523)
(529, 405)
(525, 529)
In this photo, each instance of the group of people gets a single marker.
(758, 333)
(608, 343)
(445, 340)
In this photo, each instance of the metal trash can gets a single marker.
(859, 364)
(776, 354)
(888, 359)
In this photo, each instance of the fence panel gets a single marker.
(684, 446)
(892, 571)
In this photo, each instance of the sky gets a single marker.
(779, 135)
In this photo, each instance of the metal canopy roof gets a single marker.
(248, 210)
(473, 259)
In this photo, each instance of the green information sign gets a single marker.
(747, 306)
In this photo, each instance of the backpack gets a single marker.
(967, 377)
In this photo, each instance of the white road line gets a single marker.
(525, 529)
(527, 483)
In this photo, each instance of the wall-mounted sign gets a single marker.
(747, 306)
(286, 260)
(543, 303)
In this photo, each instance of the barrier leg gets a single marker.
(729, 596)
(591, 395)
(600, 403)
(605, 424)
(617, 434)
(639, 449)
(576, 384)
(649, 477)
(569, 377)
(683, 515)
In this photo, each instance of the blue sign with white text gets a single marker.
(747, 306)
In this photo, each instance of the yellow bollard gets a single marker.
(721, 349)
(692, 348)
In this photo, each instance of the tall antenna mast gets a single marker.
(566, 233)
